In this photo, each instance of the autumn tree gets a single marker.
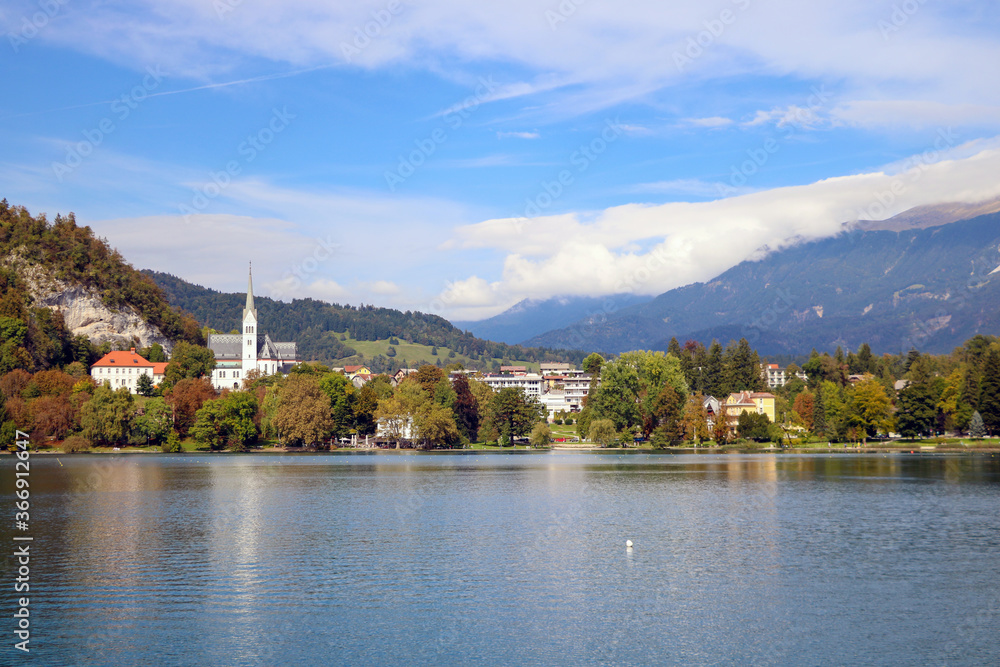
(185, 399)
(804, 406)
(304, 411)
(695, 419)
(869, 407)
(466, 408)
(435, 426)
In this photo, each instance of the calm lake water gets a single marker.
(405, 558)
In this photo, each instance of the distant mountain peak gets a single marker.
(929, 215)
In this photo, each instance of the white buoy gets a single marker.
(628, 543)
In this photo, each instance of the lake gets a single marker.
(401, 558)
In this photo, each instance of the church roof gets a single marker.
(226, 346)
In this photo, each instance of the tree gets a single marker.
(107, 417)
(695, 420)
(742, 368)
(754, 426)
(189, 361)
(819, 415)
(343, 396)
(869, 407)
(593, 364)
(153, 422)
(976, 427)
(514, 413)
(144, 385)
(435, 425)
(989, 399)
(53, 415)
(304, 411)
(805, 406)
(541, 435)
(227, 421)
(185, 399)
(427, 377)
(364, 410)
(721, 430)
(602, 432)
(466, 408)
(713, 372)
(916, 411)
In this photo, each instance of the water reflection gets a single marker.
(500, 559)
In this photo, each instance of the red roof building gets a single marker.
(122, 369)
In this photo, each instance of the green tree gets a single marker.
(742, 368)
(189, 361)
(514, 413)
(153, 422)
(107, 417)
(144, 385)
(916, 410)
(541, 435)
(603, 432)
(754, 426)
(592, 364)
(714, 374)
(343, 396)
(989, 398)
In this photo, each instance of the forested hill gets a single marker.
(37, 338)
(317, 326)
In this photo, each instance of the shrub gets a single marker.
(75, 443)
(172, 444)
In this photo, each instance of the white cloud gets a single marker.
(689, 186)
(519, 135)
(711, 122)
(601, 55)
(648, 249)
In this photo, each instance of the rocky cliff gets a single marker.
(82, 309)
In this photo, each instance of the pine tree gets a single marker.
(976, 427)
(819, 415)
(989, 399)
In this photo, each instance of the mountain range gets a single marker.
(926, 280)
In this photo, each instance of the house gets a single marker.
(238, 354)
(750, 401)
(361, 379)
(352, 371)
(517, 370)
(123, 369)
(401, 375)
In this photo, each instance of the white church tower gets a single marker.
(236, 354)
(249, 329)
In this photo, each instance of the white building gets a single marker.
(123, 369)
(530, 383)
(238, 354)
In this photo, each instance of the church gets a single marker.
(238, 354)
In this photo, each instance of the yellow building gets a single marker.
(750, 401)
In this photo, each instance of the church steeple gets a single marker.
(249, 307)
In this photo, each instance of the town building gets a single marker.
(123, 369)
(750, 401)
(238, 354)
(776, 377)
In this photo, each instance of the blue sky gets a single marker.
(458, 157)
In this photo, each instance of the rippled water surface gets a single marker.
(403, 558)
